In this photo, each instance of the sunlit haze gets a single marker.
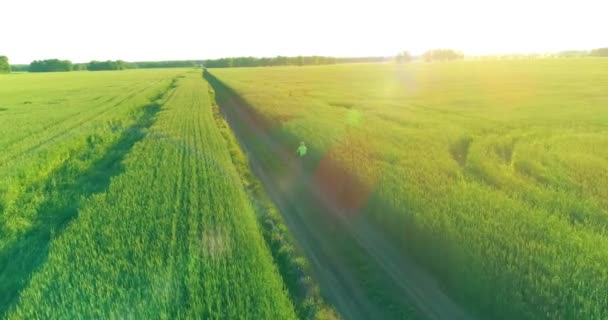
(186, 29)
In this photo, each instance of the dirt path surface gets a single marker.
(359, 271)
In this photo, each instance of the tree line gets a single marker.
(267, 62)
(601, 52)
(166, 64)
(442, 55)
(106, 65)
(450, 54)
(57, 65)
(50, 65)
(236, 62)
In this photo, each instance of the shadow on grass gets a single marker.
(63, 192)
(318, 231)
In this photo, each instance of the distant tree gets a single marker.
(572, 54)
(163, 64)
(5, 67)
(403, 57)
(20, 67)
(442, 55)
(601, 52)
(283, 61)
(361, 59)
(106, 65)
(79, 66)
(51, 65)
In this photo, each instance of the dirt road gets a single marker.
(359, 271)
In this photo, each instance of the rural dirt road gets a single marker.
(359, 271)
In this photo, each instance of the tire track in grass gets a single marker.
(174, 252)
(189, 221)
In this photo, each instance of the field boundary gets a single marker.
(293, 266)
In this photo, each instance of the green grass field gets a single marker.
(492, 174)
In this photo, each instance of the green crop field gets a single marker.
(121, 200)
(492, 174)
(333, 160)
(57, 131)
(457, 190)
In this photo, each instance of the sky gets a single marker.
(150, 30)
